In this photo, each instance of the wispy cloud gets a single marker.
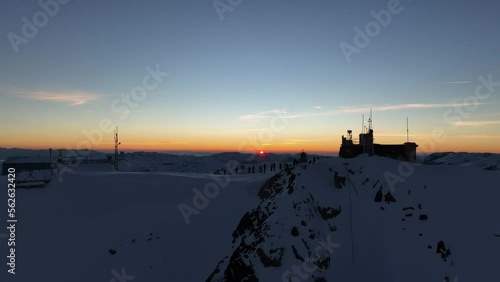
(305, 140)
(358, 109)
(454, 82)
(239, 131)
(477, 123)
(72, 98)
(174, 142)
(284, 114)
(364, 109)
(318, 107)
(263, 115)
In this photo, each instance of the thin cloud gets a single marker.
(477, 123)
(263, 115)
(72, 98)
(359, 109)
(454, 82)
(174, 142)
(364, 109)
(489, 136)
(250, 130)
(305, 140)
(318, 107)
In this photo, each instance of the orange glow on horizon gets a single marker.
(327, 145)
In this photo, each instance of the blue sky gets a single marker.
(228, 77)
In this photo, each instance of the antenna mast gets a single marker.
(407, 131)
(363, 124)
(117, 143)
(370, 120)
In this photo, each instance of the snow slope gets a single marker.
(291, 226)
(147, 161)
(66, 230)
(486, 161)
(301, 230)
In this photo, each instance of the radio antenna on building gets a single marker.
(370, 120)
(117, 143)
(407, 131)
(363, 124)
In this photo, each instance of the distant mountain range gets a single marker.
(487, 161)
(19, 152)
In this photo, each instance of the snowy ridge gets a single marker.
(410, 223)
(487, 161)
(146, 161)
(419, 231)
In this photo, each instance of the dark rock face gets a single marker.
(289, 225)
(441, 249)
(258, 240)
(378, 196)
(339, 180)
(389, 198)
(296, 254)
(423, 217)
(271, 187)
(238, 270)
(328, 212)
(273, 259)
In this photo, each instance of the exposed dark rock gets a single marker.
(271, 187)
(250, 221)
(328, 212)
(238, 270)
(441, 249)
(492, 167)
(366, 180)
(378, 196)
(112, 251)
(389, 198)
(295, 231)
(423, 217)
(339, 180)
(291, 183)
(296, 253)
(322, 260)
(273, 259)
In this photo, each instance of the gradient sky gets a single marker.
(230, 79)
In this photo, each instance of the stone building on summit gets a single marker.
(348, 149)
